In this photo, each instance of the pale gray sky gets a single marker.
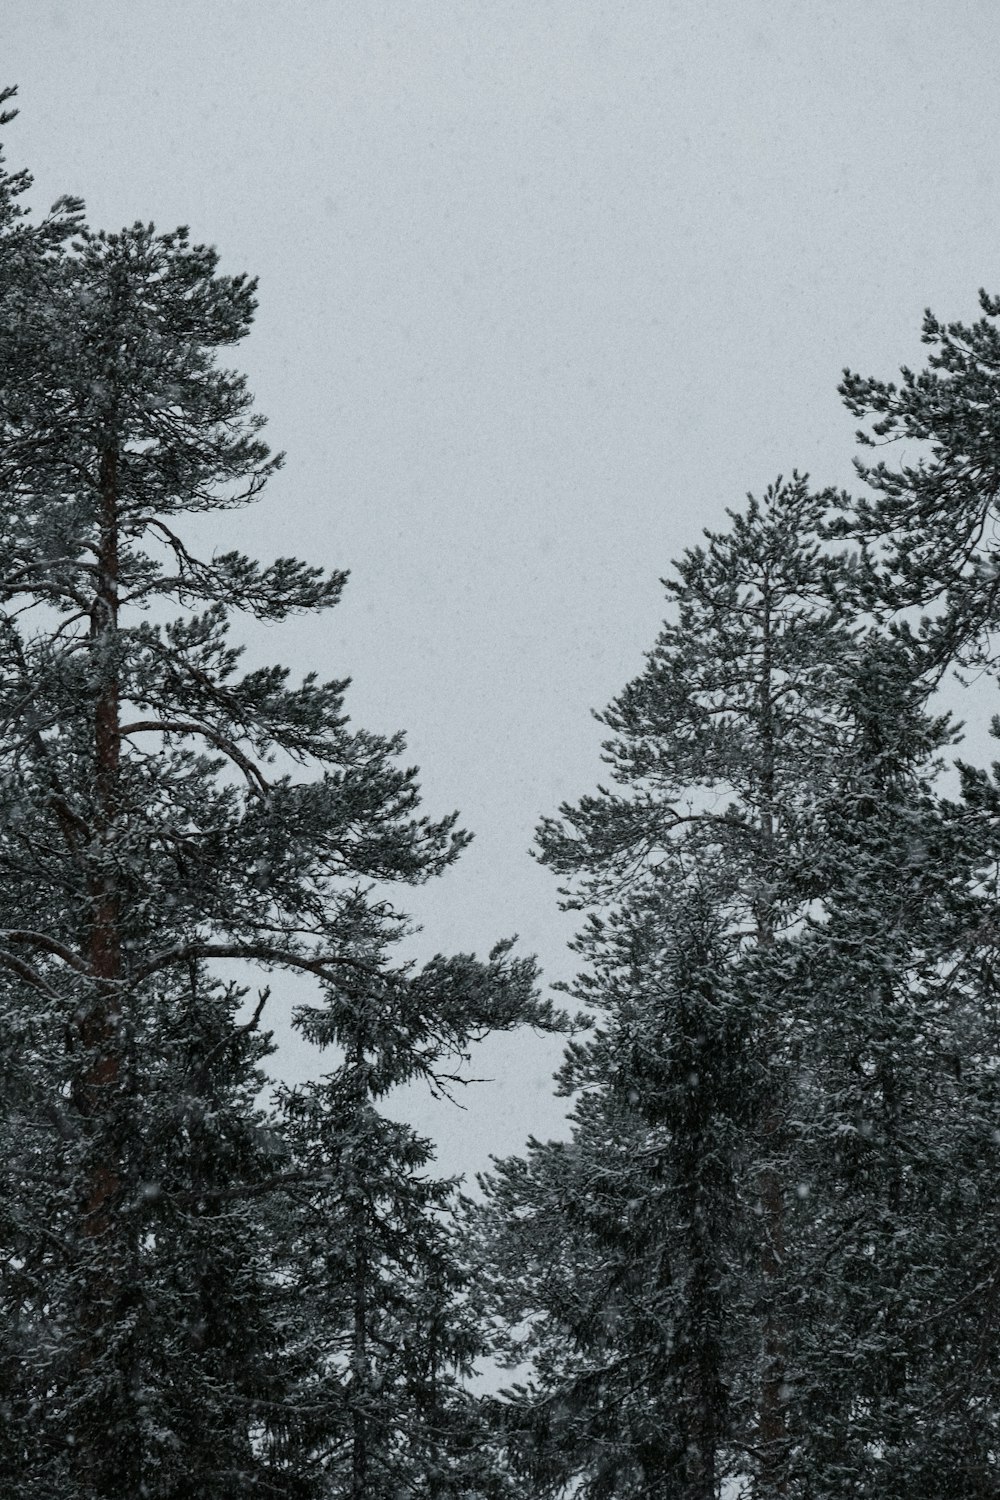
(543, 288)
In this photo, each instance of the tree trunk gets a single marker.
(771, 1434)
(359, 1362)
(359, 1352)
(107, 1452)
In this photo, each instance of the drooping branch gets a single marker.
(258, 783)
(27, 973)
(46, 944)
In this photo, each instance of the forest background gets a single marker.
(543, 288)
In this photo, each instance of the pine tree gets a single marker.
(719, 746)
(143, 837)
(784, 1141)
(928, 528)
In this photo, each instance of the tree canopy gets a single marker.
(763, 1263)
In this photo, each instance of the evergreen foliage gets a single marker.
(381, 1283)
(762, 1254)
(613, 1251)
(895, 1086)
(765, 1257)
(164, 813)
(930, 522)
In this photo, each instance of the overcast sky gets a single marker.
(543, 288)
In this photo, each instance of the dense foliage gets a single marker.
(766, 1255)
(165, 814)
(764, 1260)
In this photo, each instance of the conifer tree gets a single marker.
(718, 749)
(380, 1280)
(27, 243)
(833, 1019)
(162, 814)
(928, 525)
(893, 1079)
(613, 1253)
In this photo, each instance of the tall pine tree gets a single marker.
(163, 814)
(777, 1194)
(719, 746)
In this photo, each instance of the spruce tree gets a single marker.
(613, 1253)
(380, 1280)
(890, 1393)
